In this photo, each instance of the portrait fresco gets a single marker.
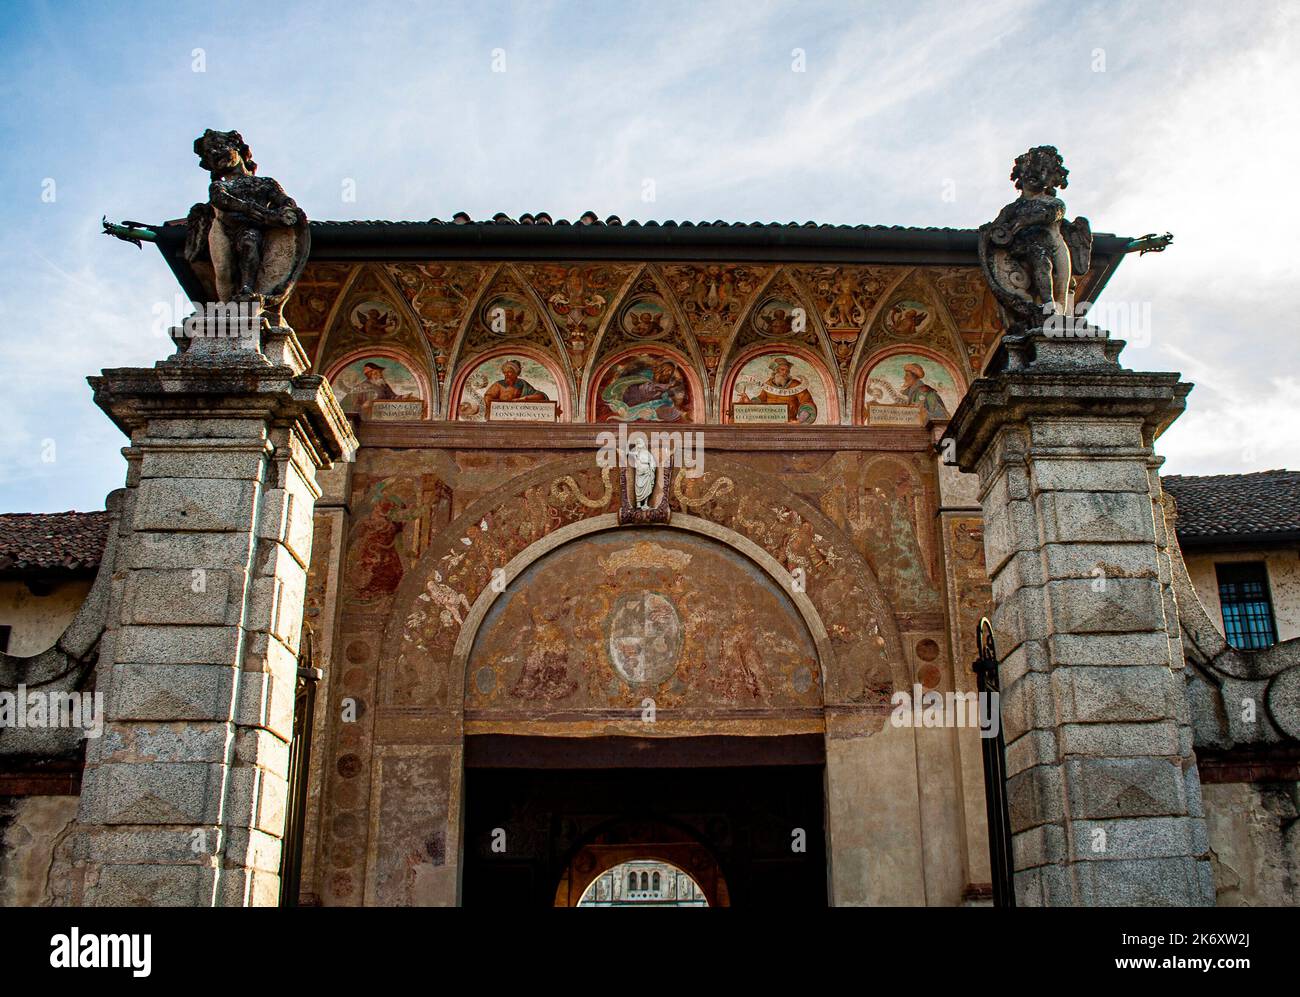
(508, 378)
(365, 381)
(647, 387)
(910, 380)
(785, 379)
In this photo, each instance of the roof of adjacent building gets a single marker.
(40, 541)
(1264, 505)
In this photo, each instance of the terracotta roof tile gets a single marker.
(1236, 506)
(32, 541)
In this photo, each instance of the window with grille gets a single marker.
(1247, 609)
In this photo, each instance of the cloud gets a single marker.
(1191, 127)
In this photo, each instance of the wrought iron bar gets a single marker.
(985, 667)
(304, 712)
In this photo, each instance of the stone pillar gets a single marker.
(1103, 788)
(183, 797)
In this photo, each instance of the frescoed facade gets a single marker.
(503, 646)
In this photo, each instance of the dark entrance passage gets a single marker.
(545, 816)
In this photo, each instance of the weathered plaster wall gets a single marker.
(1254, 843)
(37, 621)
(31, 828)
(1283, 566)
(427, 530)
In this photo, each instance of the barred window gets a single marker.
(1247, 608)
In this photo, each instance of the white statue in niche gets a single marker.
(645, 469)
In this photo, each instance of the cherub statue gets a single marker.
(255, 235)
(1030, 252)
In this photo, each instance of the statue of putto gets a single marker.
(253, 233)
(1031, 253)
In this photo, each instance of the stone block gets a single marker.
(1105, 605)
(1030, 656)
(1036, 796)
(256, 799)
(1033, 747)
(1087, 436)
(203, 461)
(1119, 740)
(1099, 561)
(228, 551)
(195, 741)
(1021, 570)
(171, 692)
(1157, 882)
(132, 844)
(150, 885)
(194, 504)
(185, 596)
(1112, 695)
(1027, 705)
(1086, 473)
(1042, 845)
(256, 746)
(1007, 529)
(232, 429)
(266, 701)
(1246, 712)
(178, 645)
(1101, 788)
(161, 792)
(250, 848)
(1096, 517)
(1112, 650)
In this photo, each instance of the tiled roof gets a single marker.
(32, 541)
(590, 218)
(1236, 506)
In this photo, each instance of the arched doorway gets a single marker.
(745, 820)
(642, 863)
(644, 883)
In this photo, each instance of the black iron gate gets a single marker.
(985, 667)
(304, 712)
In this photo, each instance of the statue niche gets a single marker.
(1030, 253)
(254, 234)
(647, 481)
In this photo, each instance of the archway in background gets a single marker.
(626, 841)
(644, 883)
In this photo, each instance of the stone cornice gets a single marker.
(133, 396)
(583, 436)
(1157, 399)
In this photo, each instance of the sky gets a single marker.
(1176, 117)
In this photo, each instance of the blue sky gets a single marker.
(1178, 116)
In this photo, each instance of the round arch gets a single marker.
(699, 403)
(607, 523)
(654, 838)
(869, 363)
(443, 597)
(471, 364)
(809, 356)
